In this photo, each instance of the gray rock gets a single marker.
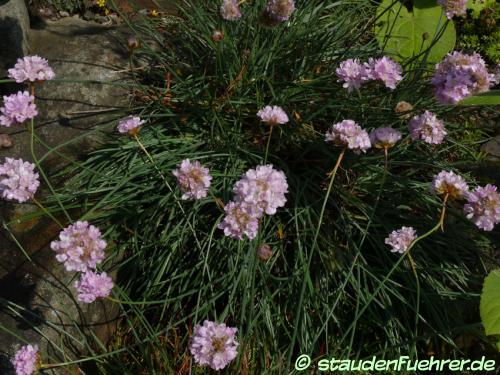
(63, 14)
(492, 149)
(14, 29)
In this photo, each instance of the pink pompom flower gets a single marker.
(453, 7)
(280, 10)
(32, 69)
(349, 134)
(27, 360)
(352, 73)
(401, 239)
(242, 219)
(450, 184)
(428, 128)
(214, 345)
(93, 285)
(273, 115)
(193, 179)
(385, 137)
(80, 247)
(230, 10)
(384, 69)
(483, 207)
(17, 108)
(130, 125)
(18, 180)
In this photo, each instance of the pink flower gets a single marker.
(264, 252)
(193, 179)
(483, 207)
(17, 109)
(242, 219)
(384, 137)
(449, 183)
(273, 115)
(92, 286)
(26, 360)
(214, 345)
(280, 10)
(349, 134)
(230, 10)
(80, 247)
(130, 125)
(384, 69)
(428, 128)
(263, 187)
(401, 239)
(352, 73)
(31, 68)
(18, 180)
(459, 76)
(453, 7)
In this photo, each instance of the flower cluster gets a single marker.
(354, 73)
(32, 69)
(460, 75)
(214, 344)
(449, 184)
(130, 125)
(230, 10)
(80, 247)
(349, 134)
(273, 115)
(428, 128)
(260, 191)
(193, 179)
(93, 285)
(483, 207)
(280, 10)
(18, 180)
(385, 137)
(17, 108)
(453, 7)
(401, 239)
(26, 361)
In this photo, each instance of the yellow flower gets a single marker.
(101, 3)
(154, 13)
(106, 11)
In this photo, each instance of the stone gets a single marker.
(492, 149)
(63, 14)
(14, 33)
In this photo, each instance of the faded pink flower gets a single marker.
(193, 179)
(80, 247)
(483, 207)
(349, 134)
(230, 10)
(428, 128)
(242, 219)
(449, 183)
(401, 239)
(384, 137)
(17, 109)
(31, 68)
(18, 180)
(130, 125)
(280, 10)
(386, 70)
(214, 345)
(352, 73)
(453, 7)
(273, 115)
(26, 360)
(93, 285)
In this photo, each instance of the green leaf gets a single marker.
(478, 5)
(490, 304)
(486, 98)
(405, 34)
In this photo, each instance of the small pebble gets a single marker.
(63, 14)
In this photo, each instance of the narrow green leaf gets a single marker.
(488, 98)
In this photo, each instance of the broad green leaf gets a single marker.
(487, 98)
(490, 303)
(478, 5)
(405, 34)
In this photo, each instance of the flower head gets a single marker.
(460, 75)
(428, 128)
(130, 125)
(230, 10)
(264, 252)
(449, 183)
(386, 70)
(401, 239)
(263, 187)
(18, 180)
(17, 109)
(26, 360)
(214, 345)
(80, 247)
(31, 68)
(280, 10)
(349, 134)
(273, 115)
(384, 137)
(352, 73)
(92, 286)
(193, 179)
(483, 207)
(453, 7)
(242, 219)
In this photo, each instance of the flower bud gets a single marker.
(217, 36)
(133, 42)
(402, 109)
(264, 252)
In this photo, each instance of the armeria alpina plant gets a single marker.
(358, 241)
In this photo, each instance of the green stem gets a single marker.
(268, 143)
(47, 212)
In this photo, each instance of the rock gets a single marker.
(63, 14)
(88, 15)
(492, 149)
(5, 141)
(14, 29)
